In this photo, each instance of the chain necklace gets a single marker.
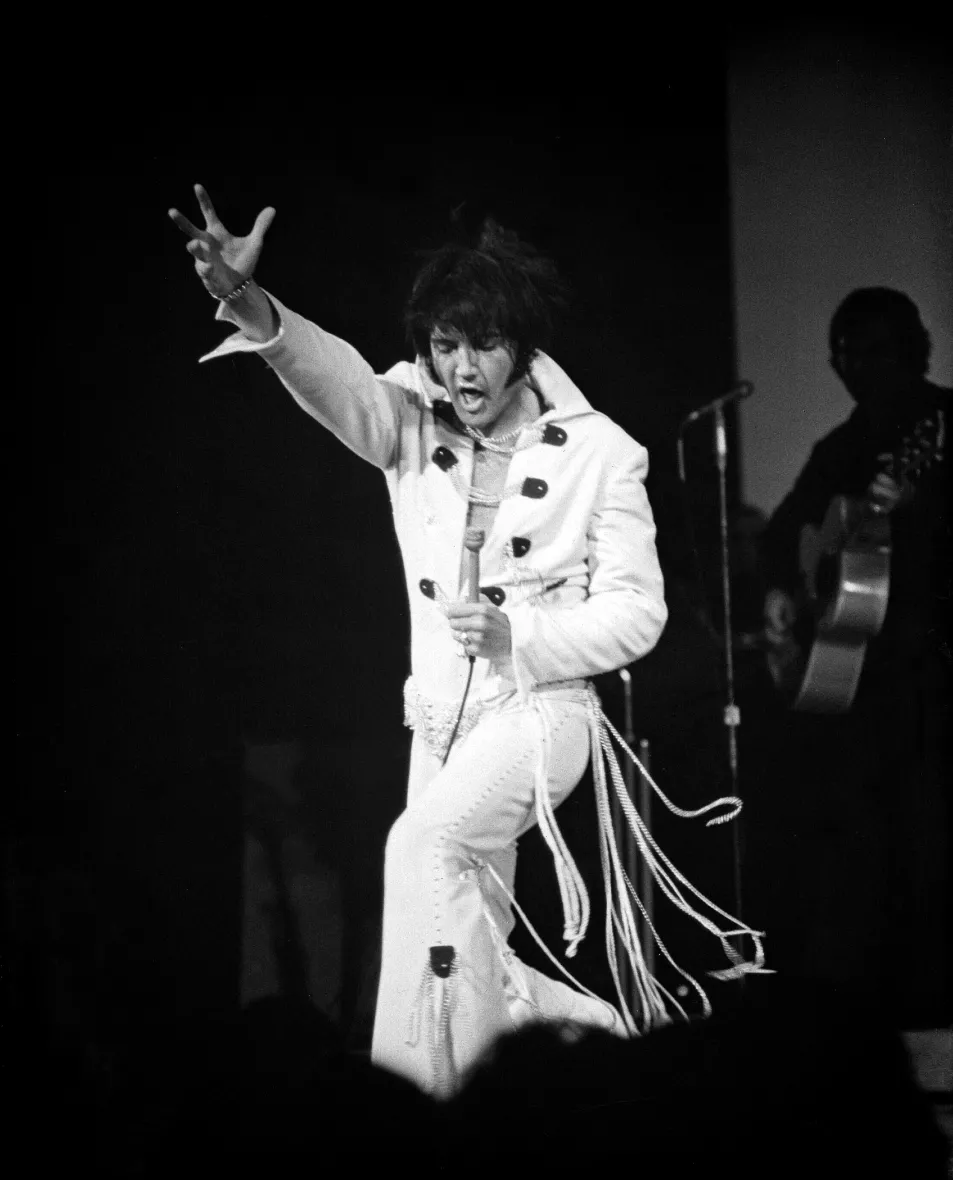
(527, 434)
(496, 443)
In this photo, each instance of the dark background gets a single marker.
(208, 569)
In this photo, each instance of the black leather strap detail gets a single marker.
(444, 458)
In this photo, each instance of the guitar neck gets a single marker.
(916, 452)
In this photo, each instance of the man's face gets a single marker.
(477, 379)
(869, 363)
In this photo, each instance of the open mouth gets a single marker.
(471, 399)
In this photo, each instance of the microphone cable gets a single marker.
(456, 724)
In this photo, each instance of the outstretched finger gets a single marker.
(205, 204)
(186, 226)
(262, 222)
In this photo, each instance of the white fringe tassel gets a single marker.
(656, 1004)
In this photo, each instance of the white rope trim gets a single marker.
(621, 926)
(572, 887)
(541, 944)
(726, 800)
(620, 918)
(622, 900)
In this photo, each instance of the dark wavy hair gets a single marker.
(501, 287)
(893, 308)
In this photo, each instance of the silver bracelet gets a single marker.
(234, 293)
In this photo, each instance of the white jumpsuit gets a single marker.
(571, 559)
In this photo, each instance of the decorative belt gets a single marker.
(435, 719)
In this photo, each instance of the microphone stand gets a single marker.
(637, 869)
(731, 714)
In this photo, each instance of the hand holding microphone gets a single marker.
(482, 628)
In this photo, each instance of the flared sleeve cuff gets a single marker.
(238, 341)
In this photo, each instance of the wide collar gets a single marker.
(563, 397)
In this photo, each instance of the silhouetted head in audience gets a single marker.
(273, 1087)
(790, 1084)
(879, 349)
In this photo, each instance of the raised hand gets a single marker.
(222, 260)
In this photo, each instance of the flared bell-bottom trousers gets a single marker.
(450, 984)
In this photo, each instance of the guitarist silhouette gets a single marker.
(863, 763)
(874, 484)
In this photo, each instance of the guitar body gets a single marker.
(832, 674)
(846, 568)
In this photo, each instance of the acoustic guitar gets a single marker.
(845, 567)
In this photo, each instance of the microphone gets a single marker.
(742, 390)
(473, 540)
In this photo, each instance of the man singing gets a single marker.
(482, 431)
